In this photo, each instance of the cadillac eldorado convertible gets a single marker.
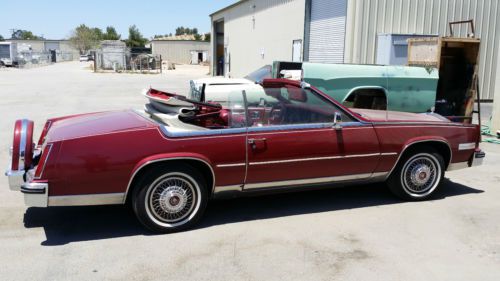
(168, 159)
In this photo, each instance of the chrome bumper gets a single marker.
(36, 194)
(16, 179)
(475, 160)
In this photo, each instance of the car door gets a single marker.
(291, 140)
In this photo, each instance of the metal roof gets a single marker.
(228, 7)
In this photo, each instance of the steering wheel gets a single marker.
(282, 113)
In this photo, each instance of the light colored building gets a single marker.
(251, 33)
(181, 51)
(62, 49)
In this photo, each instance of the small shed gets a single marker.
(112, 55)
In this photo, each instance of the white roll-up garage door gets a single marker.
(327, 31)
(51, 46)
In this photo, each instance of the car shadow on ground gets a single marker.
(64, 225)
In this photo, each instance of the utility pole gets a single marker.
(12, 32)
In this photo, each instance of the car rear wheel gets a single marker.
(418, 175)
(170, 198)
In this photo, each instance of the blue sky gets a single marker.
(56, 18)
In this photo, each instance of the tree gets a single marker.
(181, 30)
(85, 38)
(207, 37)
(25, 35)
(97, 32)
(135, 38)
(1, 38)
(197, 37)
(111, 34)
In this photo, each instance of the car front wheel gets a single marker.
(170, 198)
(418, 175)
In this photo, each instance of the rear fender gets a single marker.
(420, 140)
(164, 157)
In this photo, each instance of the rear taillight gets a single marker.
(44, 132)
(43, 161)
(22, 146)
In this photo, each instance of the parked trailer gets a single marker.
(8, 53)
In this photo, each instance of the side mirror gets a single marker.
(337, 121)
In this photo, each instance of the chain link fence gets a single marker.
(126, 62)
(36, 59)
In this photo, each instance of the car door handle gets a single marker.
(253, 143)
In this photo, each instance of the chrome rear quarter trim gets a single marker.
(87, 199)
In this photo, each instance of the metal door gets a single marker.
(327, 31)
(297, 50)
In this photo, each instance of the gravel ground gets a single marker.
(354, 233)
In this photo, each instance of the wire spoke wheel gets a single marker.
(420, 175)
(172, 199)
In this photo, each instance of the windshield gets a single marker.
(260, 74)
(194, 91)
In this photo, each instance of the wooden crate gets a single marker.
(440, 52)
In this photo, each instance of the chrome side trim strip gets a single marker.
(171, 133)
(304, 126)
(458, 166)
(466, 146)
(315, 159)
(413, 124)
(388, 153)
(379, 174)
(87, 200)
(307, 181)
(166, 159)
(226, 188)
(231, 165)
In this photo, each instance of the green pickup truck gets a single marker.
(384, 87)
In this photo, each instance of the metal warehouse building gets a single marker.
(62, 48)
(253, 33)
(181, 51)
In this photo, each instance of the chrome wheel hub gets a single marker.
(171, 199)
(420, 174)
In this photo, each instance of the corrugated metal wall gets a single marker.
(367, 18)
(178, 51)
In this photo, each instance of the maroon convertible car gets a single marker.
(170, 158)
